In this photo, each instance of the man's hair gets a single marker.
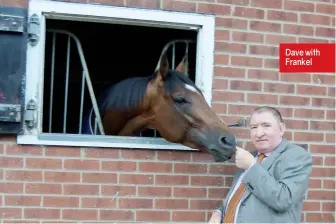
(272, 110)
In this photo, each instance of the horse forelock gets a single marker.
(178, 79)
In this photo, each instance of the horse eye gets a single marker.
(180, 100)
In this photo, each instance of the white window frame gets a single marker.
(205, 24)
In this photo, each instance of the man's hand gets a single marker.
(244, 159)
(215, 218)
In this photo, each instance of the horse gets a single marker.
(167, 101)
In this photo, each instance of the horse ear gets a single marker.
(180, 67)
(164, 66)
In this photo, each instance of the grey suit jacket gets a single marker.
(276, 188)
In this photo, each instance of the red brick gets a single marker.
(296, 124)
(329, 161)
(328, 206)
(231, 23)
(299, 6)
(277, 39)
(262, 74)
(62, 151)
(321, 195)
(311, 90)
(179, 5)
(13, 149)
(155, 191)
(172, 179)
(23, 175)
(204, 204)
(222, 35)
(99, 178)
(323, 172)
(246, 61)
(313, 183)
(245, 85)
(106, 2)
(10, 213)
(263, 50)
(116, 215)
(152, 215)
(330, 115)
(80, 189)
(43, 163)
(190, 192)
(217, 193)
(312, 40)
(325, 32)
(230, 47)
(155, 167)
(271, 63)
(186, 216)
(240, 109)
(40, 188)
(153, 4)
(119, 165)
(311, 206)
(50, 176)
(219, 84)
(262, 98)
(10, 162)
(298, 29)
(315, 19)
(52, 201)
(99, 202)
(282, 16)
(246, 12)
(102, 153)
(307, 136)
(222, 169)
(279, 88)
(218, 108)
(11, 187)
(221, 59)
(247, 37)
(265, 26)
(317, 160)
(207, 180)
(330, 137)
(323, 102)
(322, 125)
(42, 213)
(15, 3)
(137, 154)
(229, 72)
(190, 168)
(331, 91)
(295, 77)
(234, 2)
(325, 8)
(77, 164)
(228, 96)
(79, 214)
(329, 184)
(214, 8)
(21, 200)
(328, 149)
(324, 79)
(171, 204)
(320, 217)
(120, 190)
(309, 113)
(173, 156)
(267, 4)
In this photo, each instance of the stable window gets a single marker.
(77, 50)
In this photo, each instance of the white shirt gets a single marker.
(239, 182)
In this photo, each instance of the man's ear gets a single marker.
(282, 129)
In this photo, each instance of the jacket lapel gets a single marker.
(266, 164)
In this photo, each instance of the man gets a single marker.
(270, 185)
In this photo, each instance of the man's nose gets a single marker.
(260, 131)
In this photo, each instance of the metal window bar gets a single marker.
(85, 76)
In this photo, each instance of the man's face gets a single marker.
(266, 132)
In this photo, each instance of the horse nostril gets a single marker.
(228, 140)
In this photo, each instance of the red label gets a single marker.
(314, 57)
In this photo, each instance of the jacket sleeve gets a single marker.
(288, 189)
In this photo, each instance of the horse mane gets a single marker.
(129, 93)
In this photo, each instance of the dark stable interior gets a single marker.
(112, 52)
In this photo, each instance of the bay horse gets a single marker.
(169, 102)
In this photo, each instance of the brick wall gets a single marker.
(71, 184)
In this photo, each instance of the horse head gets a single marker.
(180, 113)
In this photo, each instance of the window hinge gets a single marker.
(34, 30)
(29, 115)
